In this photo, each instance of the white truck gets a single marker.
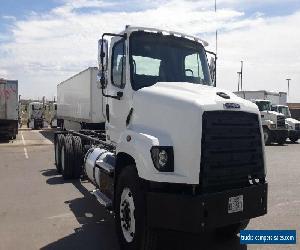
(279, 104)
(35, 115)
(9, 104)
(274, 127)
(176, 153)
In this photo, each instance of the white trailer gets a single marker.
(9, 111)
(278, 98)
(177, 153)
(79, 102)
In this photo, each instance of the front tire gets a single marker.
(232, 230)
(293, 139)
(130, 212)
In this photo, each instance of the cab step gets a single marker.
(102, 198)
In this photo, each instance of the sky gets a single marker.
(43, 42)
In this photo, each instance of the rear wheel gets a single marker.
(67, 157)
(77, 156)
(57, 149)
(130, 211)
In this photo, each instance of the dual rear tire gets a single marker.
(68, 156)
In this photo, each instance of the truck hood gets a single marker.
(203, 96)
(171, 113)
(292, 121)
(271, 113)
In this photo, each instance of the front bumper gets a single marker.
(188, 213)
(294, 133)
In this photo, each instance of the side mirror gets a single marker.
(102, 54)
(212, 70)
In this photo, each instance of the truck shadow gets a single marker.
(48, 134)
(97, 229)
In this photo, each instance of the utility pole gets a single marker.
(239, 77)
(288, 81)
(216, 44)
(242, 75)
(216, 28)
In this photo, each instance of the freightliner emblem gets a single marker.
(231, 106)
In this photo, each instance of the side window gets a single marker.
(192, 66)
(146, 66)
(118, 64)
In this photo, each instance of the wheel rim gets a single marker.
(63, 157)
(56, 153)
(266, 136)
(127, 209)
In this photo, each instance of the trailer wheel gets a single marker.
(57, 149)
(267, 137)
(130, 211)
(232, 230)
(67, 157)
(77, 156)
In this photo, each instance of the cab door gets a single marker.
(116, 111)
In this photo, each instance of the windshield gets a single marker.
(161, 58)
(263, 105)
(284, 110)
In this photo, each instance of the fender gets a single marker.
(138, 144)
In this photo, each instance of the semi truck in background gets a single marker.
(36, 119)
(279, 104)
(274, 126)
(164, 148)
(9, 111)
(53, 115)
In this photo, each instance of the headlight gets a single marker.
(272, 126)
(163, 158)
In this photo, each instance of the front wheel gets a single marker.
(293, 139)
(232, 230)
(130, 211)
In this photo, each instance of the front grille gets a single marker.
(231, 150)
(297, 126)
(280, 121)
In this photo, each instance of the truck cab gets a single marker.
(35, 115)
(274, 126)
(293, 124)
(177, 152)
